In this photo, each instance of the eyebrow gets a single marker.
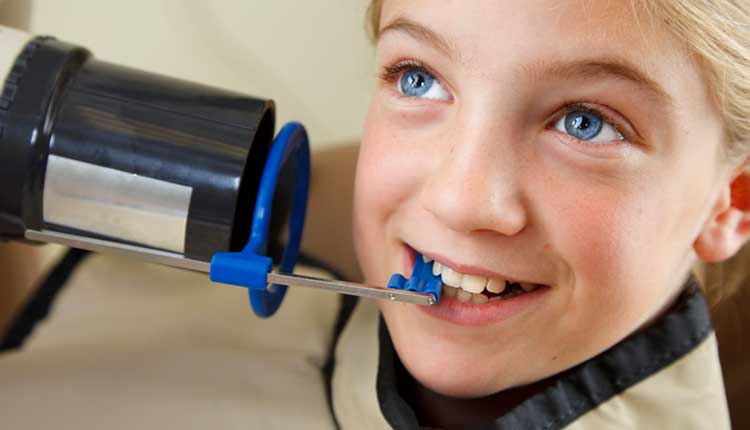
(419, 32)
(607, 67)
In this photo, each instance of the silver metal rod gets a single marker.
(352, 288)
(177, 260)
(98, 245)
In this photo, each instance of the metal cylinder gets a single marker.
(104, 151)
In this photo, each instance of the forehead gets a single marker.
(482, 31)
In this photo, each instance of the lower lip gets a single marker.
(471, 315)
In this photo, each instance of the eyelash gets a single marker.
(391, 73)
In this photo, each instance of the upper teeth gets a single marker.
(472, 283)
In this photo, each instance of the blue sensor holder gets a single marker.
(249, 267)
(422, 280)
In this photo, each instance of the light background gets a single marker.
(312, 57)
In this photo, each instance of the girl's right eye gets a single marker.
(417, 82)
(413, 80)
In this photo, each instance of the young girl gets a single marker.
(564, 164)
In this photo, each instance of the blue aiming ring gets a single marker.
(250, 266)
(291, 143)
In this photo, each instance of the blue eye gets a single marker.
(588, 126)
(417, 82)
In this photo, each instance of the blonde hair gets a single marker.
(718, 33)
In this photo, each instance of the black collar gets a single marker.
(581, 388)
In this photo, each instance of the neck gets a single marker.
(436, 410)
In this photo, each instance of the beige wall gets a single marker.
(312, 57)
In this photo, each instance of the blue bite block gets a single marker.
(422, 280)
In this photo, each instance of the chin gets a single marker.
(449, 374)
(446, 365)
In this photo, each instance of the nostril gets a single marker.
(486, 232)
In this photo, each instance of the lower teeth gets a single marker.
(509, 293)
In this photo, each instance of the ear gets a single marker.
(728, 227)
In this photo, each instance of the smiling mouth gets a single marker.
(477, 289)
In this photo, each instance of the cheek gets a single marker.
(623, 245)
(386, 168)
(592, 235)
(604, 240)
(599, 231)
(387, 175)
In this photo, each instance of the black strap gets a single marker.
(347, 304)
(38, 307)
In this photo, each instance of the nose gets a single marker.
(475, 187)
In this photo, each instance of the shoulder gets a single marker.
(149, 344)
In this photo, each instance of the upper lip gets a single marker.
(468, 269)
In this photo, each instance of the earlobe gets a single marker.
(728, 228)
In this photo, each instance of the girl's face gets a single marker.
(552, 143)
